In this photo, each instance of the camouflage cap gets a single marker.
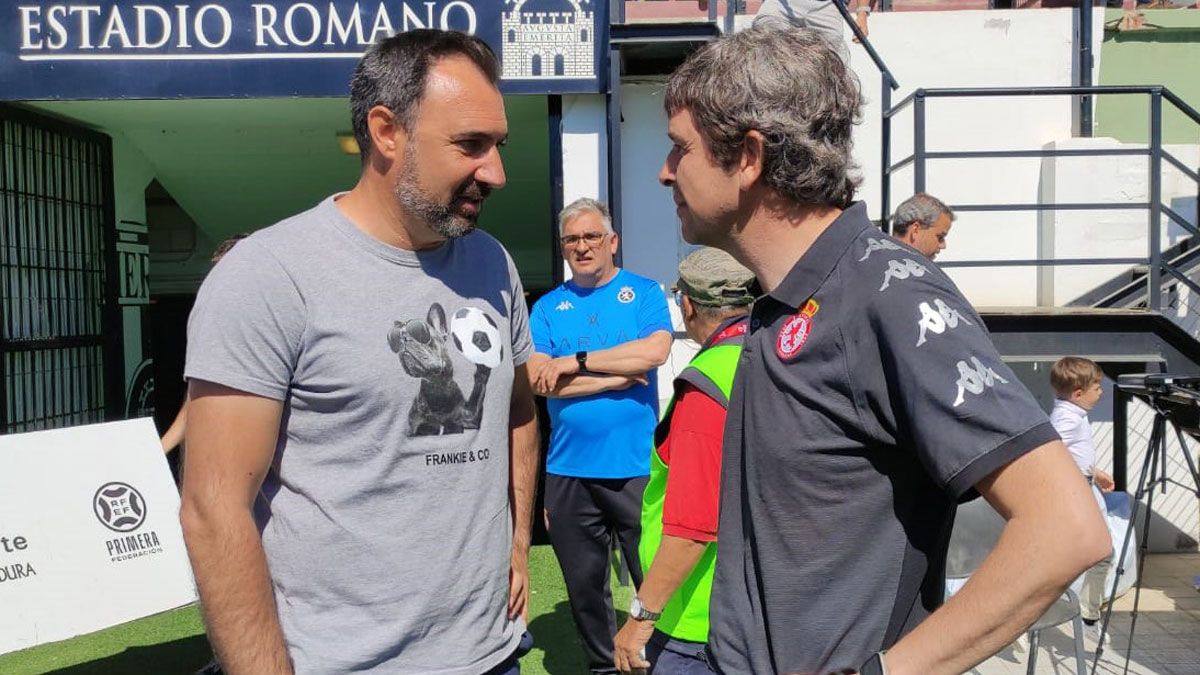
(713, 278)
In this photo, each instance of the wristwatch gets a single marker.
(874, 665)
(581, 359)
(640, 613)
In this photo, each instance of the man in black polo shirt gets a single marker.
(868, 401)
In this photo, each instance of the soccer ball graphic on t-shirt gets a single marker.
(477, 337)
(439, 406)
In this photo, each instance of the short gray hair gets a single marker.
(788, 84)
(921, 208)
(585, 205)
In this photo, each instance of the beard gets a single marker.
(441, 217)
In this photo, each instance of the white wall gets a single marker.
(131, 174)
(1000, 48)
(1106, 234)
(653, 246)
(651, 241)
(927, 50)
(584, 150)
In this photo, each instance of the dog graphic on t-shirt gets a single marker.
(422, 345)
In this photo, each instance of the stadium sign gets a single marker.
(89, 532)
(109, 49)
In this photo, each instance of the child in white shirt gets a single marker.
(1077, 385)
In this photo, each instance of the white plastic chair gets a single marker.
(977, 528)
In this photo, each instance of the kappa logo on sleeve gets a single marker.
(795, 331)
(902, 269)
(974, 377)
(938, 318)
(874, 244)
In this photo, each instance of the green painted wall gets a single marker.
(519, 215)
(1166, 54)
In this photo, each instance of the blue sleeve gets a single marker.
(653, 314)
(539, 327)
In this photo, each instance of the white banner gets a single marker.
(89, 532)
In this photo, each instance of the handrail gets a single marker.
(888, 76)
(866, 43)
(1181, 105)
(961, 92)
(1158, 268)
(1102, 89)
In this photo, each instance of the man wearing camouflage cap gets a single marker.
(669, 617)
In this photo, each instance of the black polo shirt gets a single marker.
(869, 400)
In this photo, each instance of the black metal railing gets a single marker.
(59, 332)
(887, 85)
(1158, 266)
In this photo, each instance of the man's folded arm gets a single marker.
(636, 357)
(582, 384)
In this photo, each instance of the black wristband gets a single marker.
(581, 359)
(873, 665)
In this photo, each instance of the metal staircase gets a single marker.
(1125, 322)
(1128, 289)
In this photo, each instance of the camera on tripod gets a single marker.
(1175, 401)
(1177, 397)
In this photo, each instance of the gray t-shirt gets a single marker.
(818, 15)
(385, 512)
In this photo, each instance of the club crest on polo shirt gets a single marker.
(626, 295)
(795, 330)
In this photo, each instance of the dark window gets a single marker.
(559, 64)
(536, 66)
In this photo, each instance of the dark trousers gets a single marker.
(584, 514)
(668, 656)
(512, 665)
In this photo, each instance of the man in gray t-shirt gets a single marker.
(362, 452)
(818, 15)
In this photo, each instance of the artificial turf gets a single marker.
(173, 643)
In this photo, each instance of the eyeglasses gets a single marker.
(592, 239)
(677, 297)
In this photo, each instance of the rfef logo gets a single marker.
(795, 330)
(122, 509)
(119, 507)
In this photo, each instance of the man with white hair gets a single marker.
(923, 222)
(598, 339)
